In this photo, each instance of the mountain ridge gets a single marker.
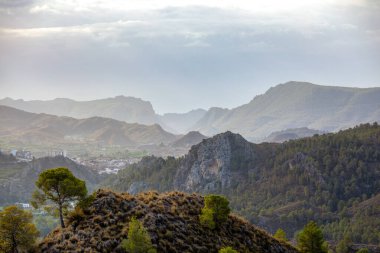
(28, 127)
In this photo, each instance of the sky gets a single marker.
(184, 54)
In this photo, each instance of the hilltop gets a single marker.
(189, 139)
(322, 178)
(172, 220)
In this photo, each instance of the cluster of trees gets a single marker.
(323, 178)
(57, 189)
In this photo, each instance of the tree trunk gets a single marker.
(14, 244)
(61, 216)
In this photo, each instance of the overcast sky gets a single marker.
(184, 54)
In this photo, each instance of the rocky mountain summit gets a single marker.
(171, 219)
(207, 167)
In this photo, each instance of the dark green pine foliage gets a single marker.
(333, 179)
(310, 239)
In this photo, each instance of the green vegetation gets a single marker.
(156, 172)
(363, 250)
(215, 211)
(60, 187)
(310, 239)
(280, 235)
(17, 232)
(167, 222)
(44, 222)
(227, 250)
(343, 246)
(333, 179)
(138, 239)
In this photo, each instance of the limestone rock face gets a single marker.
(209, 166)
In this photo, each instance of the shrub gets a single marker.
(310, 239)
(215, 211)
(227, 250)
(207, 218)
(138, 239)
(280, 235)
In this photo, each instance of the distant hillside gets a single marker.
(17, 178)
(295, 105)
(291, 134)
(28, 127)
(172, 221)
(323, 178)
(285, 106)
(180, 122)
(188, 140)
(129, 109)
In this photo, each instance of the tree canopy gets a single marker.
(60, 187)
(310, 239)
(138, 240)
(215, 210)
(17, 232)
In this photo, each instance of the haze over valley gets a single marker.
(165, 126)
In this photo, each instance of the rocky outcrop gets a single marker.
(172, 220)
(209, 165)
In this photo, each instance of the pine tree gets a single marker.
(138, 239)
(17, 232)
(280, 235)
(60, 187)
(215, 211)
(310, 239)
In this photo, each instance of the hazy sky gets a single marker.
(184, 54)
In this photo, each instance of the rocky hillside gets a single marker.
(128, 109)
(17, 178)
(25, 127)
(278, 185)
(172, 220)
(295, 105)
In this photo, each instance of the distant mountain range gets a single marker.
(285, 106)
(128, 109)
(295, 105)
(25, 127)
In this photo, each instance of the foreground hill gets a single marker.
(295, 105)
(322, 178)
(172, 220)
(17, 178)
(28, 127)
(129, 109)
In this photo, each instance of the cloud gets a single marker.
(172, 50)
